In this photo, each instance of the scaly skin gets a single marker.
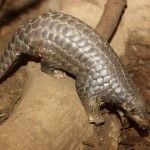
(66, 43)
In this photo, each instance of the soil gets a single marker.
(137, 62)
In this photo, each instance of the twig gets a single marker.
(1, 3)
(110, 18)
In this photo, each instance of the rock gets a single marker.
(49, 116)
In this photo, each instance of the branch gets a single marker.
(1, 3)
(110, 18)
(9, 7)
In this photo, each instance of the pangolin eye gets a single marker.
(133, 109)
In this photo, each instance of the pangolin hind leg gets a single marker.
(52, 68)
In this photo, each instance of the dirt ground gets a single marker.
(47, 112)
(137, 62)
